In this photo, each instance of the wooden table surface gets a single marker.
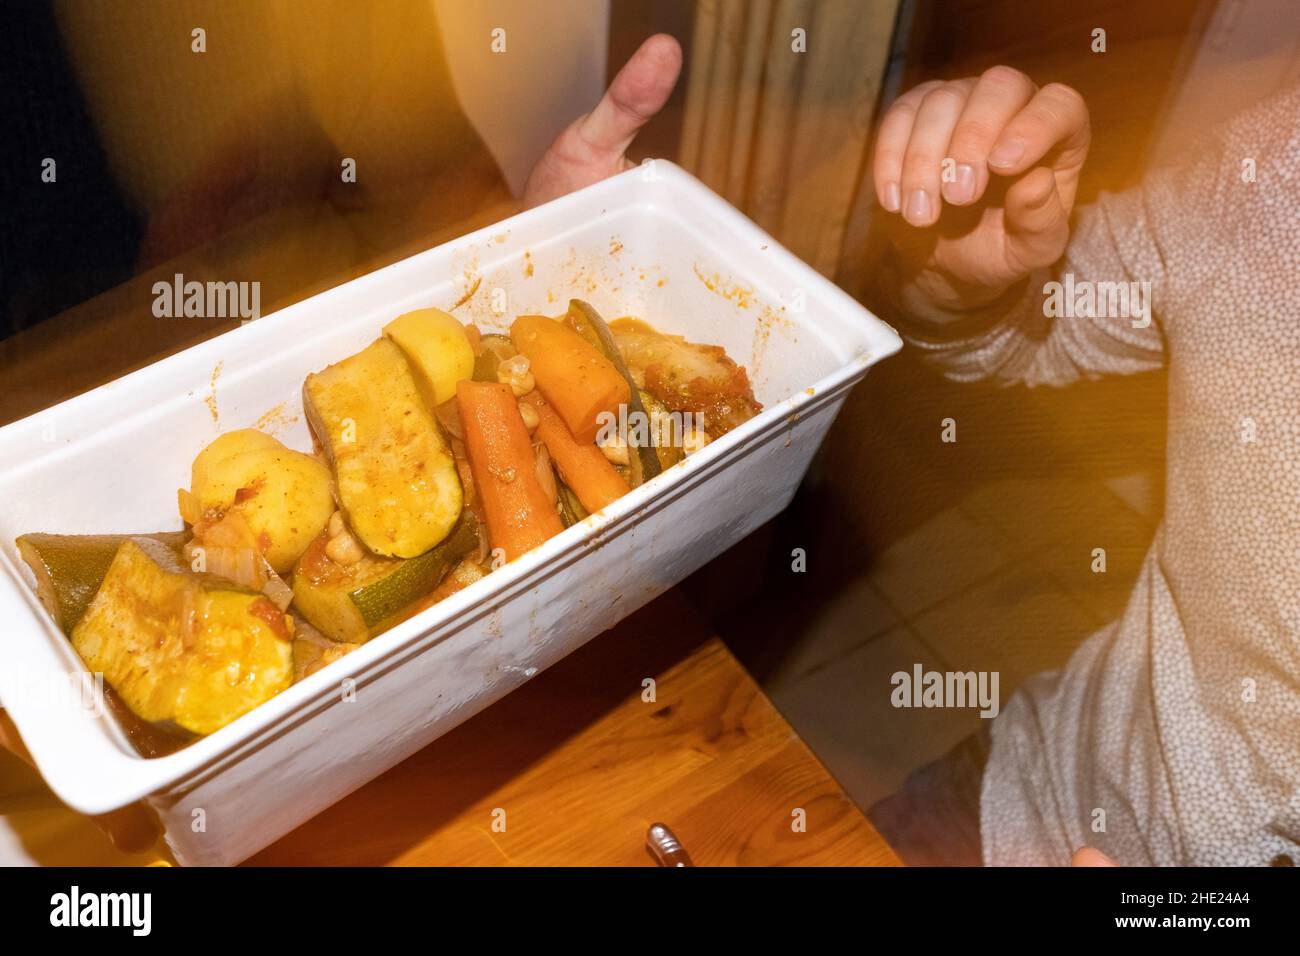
(578, 765)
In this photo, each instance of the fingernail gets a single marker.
(1007, 153)
(891, 197)
(918, 208)
(962, 188)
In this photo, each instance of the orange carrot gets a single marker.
(583, 467)
(475, 339)
(575, 378)
(518, 513)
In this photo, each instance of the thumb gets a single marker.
(1037, 224)
(637, 93)
(592, 146)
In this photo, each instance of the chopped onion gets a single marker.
(545, 473)
(234, 564)
(232, 531)
(448, 414)
(281, 594)
(304, 631)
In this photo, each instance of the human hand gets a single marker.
(594, 146)
(982, 173)
(1087, 856)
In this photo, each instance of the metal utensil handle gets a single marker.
(665, 847)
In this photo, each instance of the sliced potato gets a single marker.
(182, 648)
(396, 478)
(437, 348)
(282, 495)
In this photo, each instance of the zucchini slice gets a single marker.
(353, 603)
(571, 509)
(643, 461)
(671, 453)
(70, 567)
(394, 474)
(182, 648)
(494, 349)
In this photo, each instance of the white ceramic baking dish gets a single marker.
(654, 243)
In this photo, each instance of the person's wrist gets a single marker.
(937, 309)
(938, 290)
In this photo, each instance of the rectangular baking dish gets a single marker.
(654, 243)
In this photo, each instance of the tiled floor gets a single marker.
(842, 710)
(1000, 581)
(975, 555)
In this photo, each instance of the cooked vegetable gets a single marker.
(571, 509)
(517, 373)
(493, 350)
(445, 448)
(354, 602)
(312, 650)
(643, 464)
(617, 452)
(464, 574)
(577, 380)
(529, 414)
(282, 495)
(448, 416)
(183, 648)
(396, 479)
(544, 469)
(438, 349)
(228, 548)
(665, 432)
(475, 338)
(582, 466)
(70, 567)
(687, 377)
(518, 513)
(458, 578)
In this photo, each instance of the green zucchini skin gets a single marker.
(69, 568)
(379, 600)
(181, 648)
(571, 509)
(495, 349)
(353, 604)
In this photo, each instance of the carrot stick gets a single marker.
(584, 468)
(575, 378)
(519, 515)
